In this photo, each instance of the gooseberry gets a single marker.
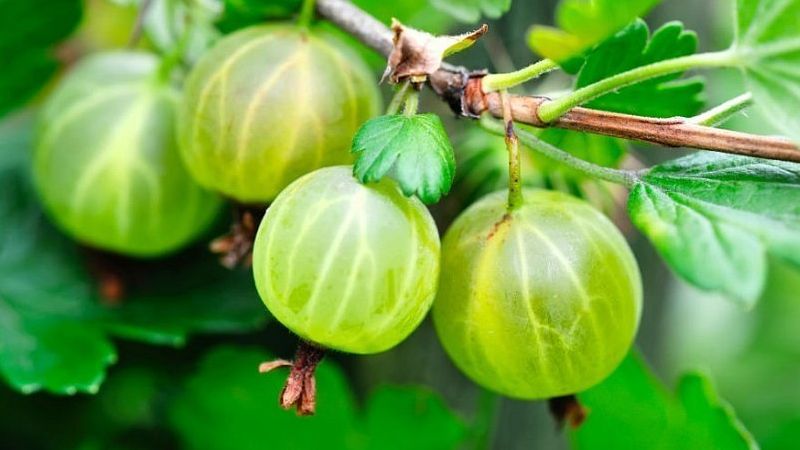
(106, 160)
(270, 103)
(540, 301)
(344, 265)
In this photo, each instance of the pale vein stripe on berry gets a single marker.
(245, 129)
(400, 297)
(570, 272)
(221, 73)
(115, 146)
(79, 108)
(342, 73)
(332, 253)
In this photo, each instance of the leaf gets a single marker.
(756, 362)
(767, 49)
(471, 10)
(229, 393)
(393, 413)
(262, 9)
(414, 150)
(666, 96)
(420, 14)
(165, 301)
(714, 218)
(54, 330)
(633, 400)
(30, 30)
(181, 27)
(584, 24)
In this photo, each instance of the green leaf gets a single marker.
(229, 393)
(471, 10)
(714, 218)
(666, 96)
(30, 30)
(414, 150)
(760, 349)
(241, 13)
(54, 330)
(768, 50)
(186, 27)
(42, 342)
(420, 14)
(165, 301)
(584, 24)
(633, 402)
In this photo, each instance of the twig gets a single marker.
(673, 132)
(356, 22)
(462, 90)
(138, 26)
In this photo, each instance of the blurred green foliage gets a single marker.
(646, 415)
(57, 335)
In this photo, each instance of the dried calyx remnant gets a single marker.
(416, 55)
(236, 248)
(300, 390)
(567, 410)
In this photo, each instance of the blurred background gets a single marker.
(202, 391)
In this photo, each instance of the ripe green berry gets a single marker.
(344, 265)
(539, 302)
(269, 104)
(106, 162)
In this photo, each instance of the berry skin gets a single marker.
(540, 302)
(269, 104)
(106, 159)
(344, 265)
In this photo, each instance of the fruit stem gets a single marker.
(300, 390)
(483, 424)
(514, 160)
(307, 13)
(399, 98)
(138, 26)
(624, 177)
(567, 410)
(412, 103)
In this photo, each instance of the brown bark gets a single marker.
(460, 88)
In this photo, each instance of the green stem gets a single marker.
(515, 199)
(307, 13)
(499, 81)
(412, 103)
(175, 57)
(485, 416)
(623, 177)
(720, 114)
(399, 99)
(552, 110)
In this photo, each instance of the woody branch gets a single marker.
(461, 88)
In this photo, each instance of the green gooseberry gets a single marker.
(344, 265)
(269, 104)
(106, 162)
(540, 301)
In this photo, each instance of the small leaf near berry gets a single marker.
(414, 150)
